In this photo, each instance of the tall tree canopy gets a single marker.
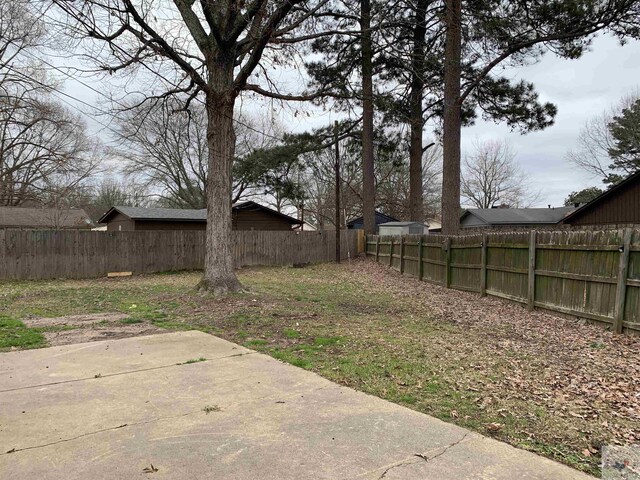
(582, 196)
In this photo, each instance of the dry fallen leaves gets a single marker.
(493, 427)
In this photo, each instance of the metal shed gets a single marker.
(401, 228)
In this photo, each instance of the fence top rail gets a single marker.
(547, 239)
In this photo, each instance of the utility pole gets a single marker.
(337, 172)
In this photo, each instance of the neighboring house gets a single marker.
(620, 205)
(513, 217)
(305, 226)
(45, 218)
(245, 216)
(434, 225)
(402, 228)
(358, 222)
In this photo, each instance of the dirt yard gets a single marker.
(559, 387)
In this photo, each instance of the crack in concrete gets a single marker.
(149, 369)
(422, 457)
(95, 432)
(171, 417)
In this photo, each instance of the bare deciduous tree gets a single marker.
(111, 192)
(165, 148)
(44, 151)
(491, 177)
(392, 183)
(191, 48)
(20, 31)
(393, 187)
(595, 140)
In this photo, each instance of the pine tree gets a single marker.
(625, 130)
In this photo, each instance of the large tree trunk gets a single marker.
(219, 276)
(416, 121)
(452, 120)
(368, 175)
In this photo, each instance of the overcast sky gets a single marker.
(580, 88)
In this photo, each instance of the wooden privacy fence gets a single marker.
(593, 275)
(42, 254)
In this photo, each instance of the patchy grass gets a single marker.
(193, 360)
(131, 320)
(55, 328)
(14, 334)
(552, 386)
(255, 343)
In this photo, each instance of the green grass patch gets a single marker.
(14, 333)
(327, 341)
(131, 320)
(292, 358)
(291, 333)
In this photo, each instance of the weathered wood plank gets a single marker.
(420, 263)
(447, 273)
(483, 266)
(621, 290)
(532, 270)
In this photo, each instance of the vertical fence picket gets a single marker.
(483, 265)
(447, 267)
(420, 262)
(531, 295)
(621, 290)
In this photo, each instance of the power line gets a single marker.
(55, 91)
(156, 74)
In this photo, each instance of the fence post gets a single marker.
(402, 254)
(362, 242)
(377, 247)
(420, 264)
(447, 268)
(483, 265)
(391, 251)
(621, 290)
(532, 270)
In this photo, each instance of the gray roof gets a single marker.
(519, 216)
(400, 224)
(184, 214)
(177, 214)
(20, 217)
(380, 218)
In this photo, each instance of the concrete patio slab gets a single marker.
(111, 410)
